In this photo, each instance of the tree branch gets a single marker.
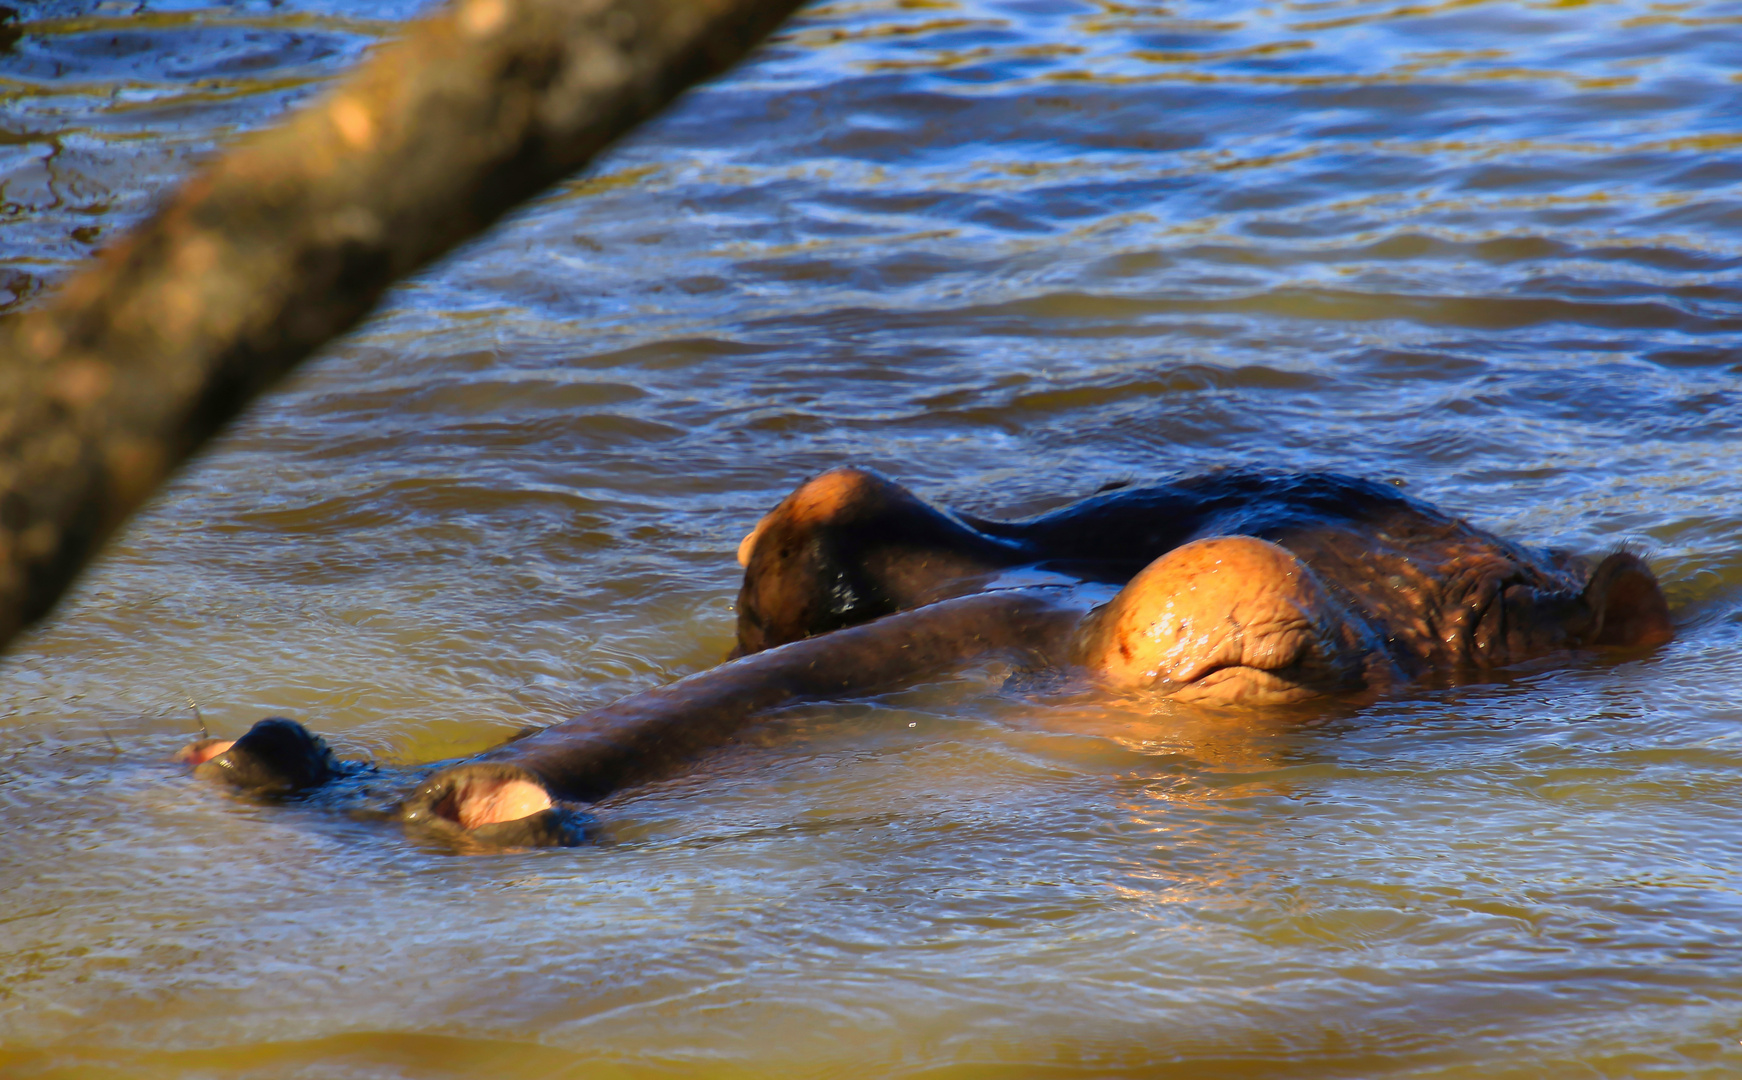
(290, 238)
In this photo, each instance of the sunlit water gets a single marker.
(1006, 252)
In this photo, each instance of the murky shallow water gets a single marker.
(1006, 251)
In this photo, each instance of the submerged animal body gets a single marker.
(1392, 586)
(1235, 588)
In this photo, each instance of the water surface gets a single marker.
(1006, 251)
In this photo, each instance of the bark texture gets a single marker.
(289, 239)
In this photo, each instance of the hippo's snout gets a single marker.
(276, 757)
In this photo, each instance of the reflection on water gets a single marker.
(1007, 251)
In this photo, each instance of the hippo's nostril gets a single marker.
(447, 808)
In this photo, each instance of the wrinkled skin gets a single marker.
(1240, 587)
(1236, 589)
(1231, 620)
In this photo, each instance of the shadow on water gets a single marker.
(1007, 252)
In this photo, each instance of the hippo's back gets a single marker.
(1426, 581)
(1134, 526)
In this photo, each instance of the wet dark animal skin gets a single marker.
(276, 757)
(1440, 594)
(652, 732)
(854, 586)
(645, 733)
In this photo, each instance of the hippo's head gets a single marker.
(276, 757)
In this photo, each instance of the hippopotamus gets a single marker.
(1235, 589)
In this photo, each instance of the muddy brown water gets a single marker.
(1007, 251)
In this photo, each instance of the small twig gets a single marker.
(113, 745)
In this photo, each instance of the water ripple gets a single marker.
(1008, 252)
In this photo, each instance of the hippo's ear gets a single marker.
(1626, 603)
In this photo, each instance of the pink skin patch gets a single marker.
(490, 800)
(197, 754)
